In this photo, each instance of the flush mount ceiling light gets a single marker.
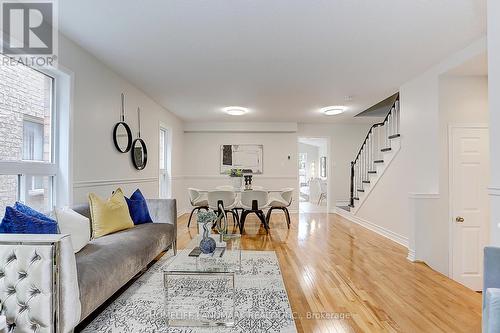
(332, 110)
(235, 110)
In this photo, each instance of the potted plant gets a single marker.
(236, 177)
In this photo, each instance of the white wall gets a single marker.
(494, 108)
(202, 155)
(344, 143)
(415, 174)
(202, 160)
(97, 166)
(462, 100)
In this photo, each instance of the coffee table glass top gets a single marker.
(226, 259)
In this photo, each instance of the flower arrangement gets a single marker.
(206, 216)
(235, 173)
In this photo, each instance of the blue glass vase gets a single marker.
(207, 244)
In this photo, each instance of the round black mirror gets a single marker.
(122, 137)
(139, 154)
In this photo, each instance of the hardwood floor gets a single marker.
(341, 277)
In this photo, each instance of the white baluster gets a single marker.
(398, 113)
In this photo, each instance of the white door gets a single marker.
(469, 168)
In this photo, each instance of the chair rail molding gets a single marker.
(108, 182)
(218, 177)
(494, 190)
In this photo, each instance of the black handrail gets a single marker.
(363, 145)
(374, 126)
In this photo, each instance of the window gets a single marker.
(33, 140)
(302, 169)
(164, 166)
(27, 164)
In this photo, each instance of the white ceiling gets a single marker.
(284, 59)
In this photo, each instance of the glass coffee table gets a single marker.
(200, 291)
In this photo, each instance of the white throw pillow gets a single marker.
(74, 224)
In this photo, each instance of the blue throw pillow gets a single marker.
(16, 222)
(31, 212)
(138, 208)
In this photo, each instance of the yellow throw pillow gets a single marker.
(110, 215)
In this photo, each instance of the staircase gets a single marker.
(381, 145)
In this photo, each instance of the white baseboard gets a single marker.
(411, 255)
(373, 227)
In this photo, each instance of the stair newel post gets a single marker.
(352, 185)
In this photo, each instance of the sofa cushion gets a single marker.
(108, 262)
(138, 208)
(109, 215)
(74, 224)
(17, 222)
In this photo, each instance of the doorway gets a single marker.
(469, 202)
(313, 174)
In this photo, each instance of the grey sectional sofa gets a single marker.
(45, 287)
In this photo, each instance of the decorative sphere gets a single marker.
(207, 245)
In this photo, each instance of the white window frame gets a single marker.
(165, 192)
(59, 168)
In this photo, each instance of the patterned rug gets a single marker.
(261, 300)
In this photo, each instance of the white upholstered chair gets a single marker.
(198, 199)
(323, 189)
(254, 201)
(229, 202)
(281, 201)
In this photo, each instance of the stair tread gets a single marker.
(394, 136)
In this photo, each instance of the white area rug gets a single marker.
(260, 297)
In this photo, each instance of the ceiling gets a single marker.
(283, 59)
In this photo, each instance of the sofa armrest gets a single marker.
(164, 211)
(491, 277)
(38, 282)
(491, 311)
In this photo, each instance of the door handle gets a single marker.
(459, 219)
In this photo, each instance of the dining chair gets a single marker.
(282, 201)
(198, 199)
(229, 202)
(323, 189)
(254, 202)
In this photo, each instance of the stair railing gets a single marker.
(379, 137)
